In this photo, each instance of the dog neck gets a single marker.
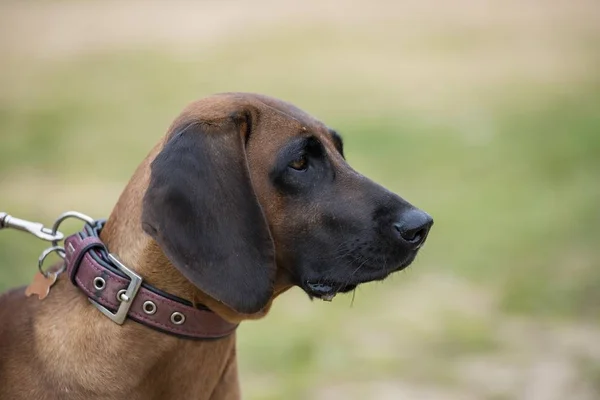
(86, 355)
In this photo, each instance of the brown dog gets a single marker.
(245, 197)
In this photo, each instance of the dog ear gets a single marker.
(200, 207)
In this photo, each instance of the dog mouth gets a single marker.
(326, 290)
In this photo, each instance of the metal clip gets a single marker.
(35, 228)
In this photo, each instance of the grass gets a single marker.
(509, 171)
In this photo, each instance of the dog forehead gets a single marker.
(286, 119)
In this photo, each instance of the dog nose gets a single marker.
(413, 226)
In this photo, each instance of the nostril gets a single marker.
(418, 236)
(411, 235)
(413, 227)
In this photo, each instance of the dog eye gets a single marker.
(299, 164)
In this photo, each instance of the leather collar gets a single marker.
(120, 293)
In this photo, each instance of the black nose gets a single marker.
(412, 227)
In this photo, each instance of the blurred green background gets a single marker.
(485, 114)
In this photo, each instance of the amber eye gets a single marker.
(300, 164)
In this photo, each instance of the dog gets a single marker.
(245, 197)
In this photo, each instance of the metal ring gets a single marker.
(64, 216)
(54, 249)
(149, 307)
(99, 283)
(177, 318)
(121, 295)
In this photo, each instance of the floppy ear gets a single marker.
(201, 209)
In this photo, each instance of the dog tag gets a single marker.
(41, 285)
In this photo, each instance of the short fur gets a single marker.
(245, 197)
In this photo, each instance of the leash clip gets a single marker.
(35, 228)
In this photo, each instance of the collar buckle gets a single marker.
(125, 299)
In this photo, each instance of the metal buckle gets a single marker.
(126, 299)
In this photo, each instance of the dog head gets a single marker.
(249, 193)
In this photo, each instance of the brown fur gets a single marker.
(63, 348)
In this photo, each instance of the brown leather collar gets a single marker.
(120, 293)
